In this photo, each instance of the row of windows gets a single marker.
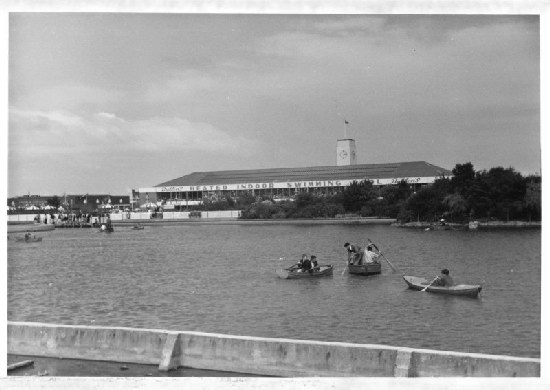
(275, 193)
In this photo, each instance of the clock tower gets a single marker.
(345, 152)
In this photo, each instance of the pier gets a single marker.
(255, 355)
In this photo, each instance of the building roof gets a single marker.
(348, 172)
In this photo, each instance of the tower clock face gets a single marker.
(343, 154)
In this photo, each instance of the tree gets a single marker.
(532, 200)
(456, 205)
(357, 195)
(427, 203)
(463, 177)
(54, 201)
(495, 192)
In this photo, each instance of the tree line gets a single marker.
(494, 194)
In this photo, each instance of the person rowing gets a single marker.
(443, 280)
(355, 253)
(300, 264)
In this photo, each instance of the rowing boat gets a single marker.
(296, 273)
(138, 227)
(28, 239)
(420, 284)
(365, 269)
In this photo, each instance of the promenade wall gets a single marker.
(255, 355)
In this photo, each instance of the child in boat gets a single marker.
(300, 264)
(314, 264)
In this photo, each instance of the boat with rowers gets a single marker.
(421, 284)
(365, 269)
(298, 273)
(28, 239)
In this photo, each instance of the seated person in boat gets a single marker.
(300, 264)
(28, 236)
(370, 255)
(444, 280)
(306, 265)
(355, 253)
(314, 264)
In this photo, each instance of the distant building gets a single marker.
(286, 183)
(86, 203)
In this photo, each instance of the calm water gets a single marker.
(221, 278)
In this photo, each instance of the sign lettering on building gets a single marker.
(289, 184)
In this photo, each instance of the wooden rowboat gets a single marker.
(365, 269)
(292, 273)
(138, 227)
(417, 283)
(28, 239)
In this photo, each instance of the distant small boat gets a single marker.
(438, 227)
(135, 227)
(420, 284)
(296, 273)
(365, 269)
(28, 239)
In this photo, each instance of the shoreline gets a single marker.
(17, 227)
(464, 226)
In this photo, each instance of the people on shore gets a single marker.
(355, 253)
(443, 280)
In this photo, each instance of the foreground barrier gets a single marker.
(255, 355)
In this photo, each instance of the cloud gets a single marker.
(39, 132)
(70, 97)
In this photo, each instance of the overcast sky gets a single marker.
(106, 103)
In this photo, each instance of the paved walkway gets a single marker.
(45, 366)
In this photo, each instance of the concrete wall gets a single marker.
(21, 217)
(135, 215)
(255, 355)
(175, 215)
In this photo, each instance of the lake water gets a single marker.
(222, 279)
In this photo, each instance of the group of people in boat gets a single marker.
(29, 236)
(307, 264)
(360, 256)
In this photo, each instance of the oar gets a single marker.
(425, 288)
(345, 269)
(381, 254)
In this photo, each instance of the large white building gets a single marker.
(284, 183)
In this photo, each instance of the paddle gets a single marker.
(425, 288)
(384, 257)
(345, 269)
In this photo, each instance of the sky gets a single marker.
(110, 102)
